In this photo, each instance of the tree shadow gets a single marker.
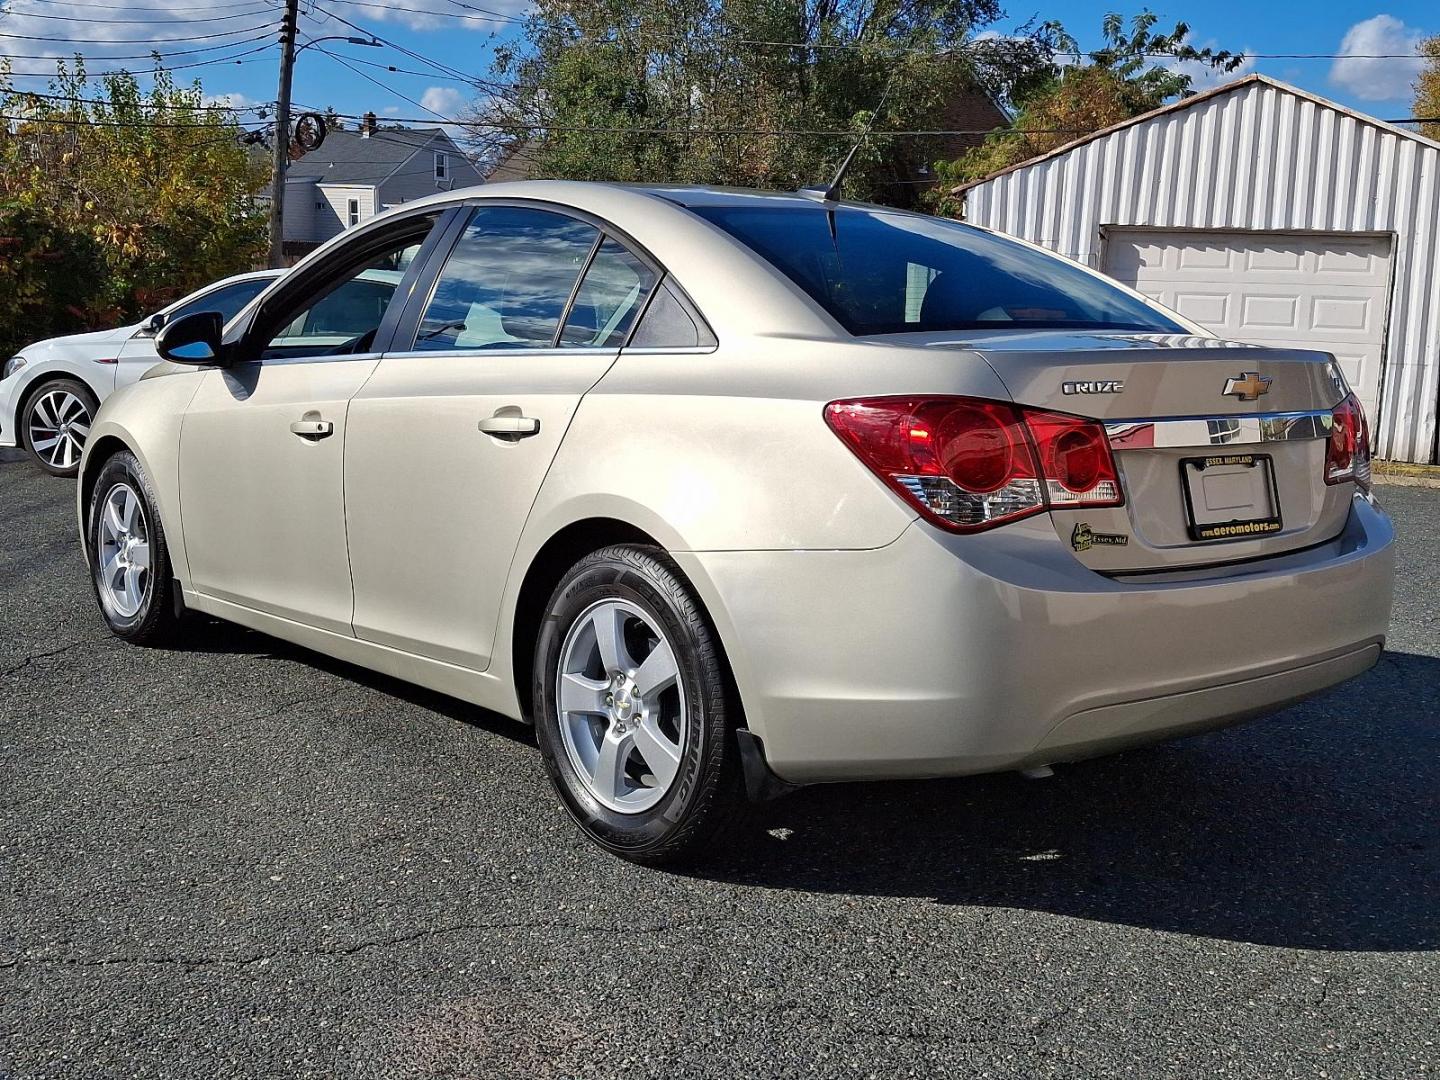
(1316, 828)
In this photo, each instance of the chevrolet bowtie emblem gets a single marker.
(1249, 386)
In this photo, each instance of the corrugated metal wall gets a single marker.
(1264, 158)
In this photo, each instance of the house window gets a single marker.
(352, 212)
(442, 166)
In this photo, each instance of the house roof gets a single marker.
(348, 157)
(1187, 102)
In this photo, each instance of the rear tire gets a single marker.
(129, 559)
(633, 716)
(55, 424)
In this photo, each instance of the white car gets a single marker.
(50, 391)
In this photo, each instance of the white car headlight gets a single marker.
(14, 364)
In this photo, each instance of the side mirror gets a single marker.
(153, 325)
(192, 339)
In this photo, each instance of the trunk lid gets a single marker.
(1220, 446)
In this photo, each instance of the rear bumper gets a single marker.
(941, 655)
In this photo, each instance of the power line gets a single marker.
(234, 58)
(388, 89)
(142, 104)
(444, 68)
(816, 132)
(75, 121)
(133, 7)
(487, 18)
(266, 27)
(146, 55)
(145, 22)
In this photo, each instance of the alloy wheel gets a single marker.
(122, 551)
(621, 705)
(59, 426)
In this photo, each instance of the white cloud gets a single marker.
(1368, 69)
(445, 100)
(232, 101)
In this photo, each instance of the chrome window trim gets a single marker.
(1179, 431)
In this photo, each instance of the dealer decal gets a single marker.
(1083, 538)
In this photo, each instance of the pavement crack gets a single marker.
(30, 658)
(190, 963)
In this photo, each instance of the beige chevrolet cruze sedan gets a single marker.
(728, 490)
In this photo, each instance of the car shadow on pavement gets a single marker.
(206, 635)
(1318, 828)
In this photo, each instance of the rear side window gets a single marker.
(615, 288)
(889, 273)
(506, 284)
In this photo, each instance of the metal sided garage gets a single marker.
(1267, 215)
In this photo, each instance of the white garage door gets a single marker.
(1307, 291)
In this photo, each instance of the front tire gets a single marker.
(633, 715)
(55, 424)
(129, 559)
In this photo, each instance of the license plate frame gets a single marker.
(1206, 527)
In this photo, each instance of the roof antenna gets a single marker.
(831, 191)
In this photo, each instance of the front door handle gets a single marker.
(313, 429)
(508, 426)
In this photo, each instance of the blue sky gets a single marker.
(460, 36)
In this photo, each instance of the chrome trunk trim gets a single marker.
(1187, 431)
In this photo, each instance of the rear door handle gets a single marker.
(508, 426)
(313, 429)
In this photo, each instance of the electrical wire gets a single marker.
(263, 28)
(71, 99)
(145, 22)
(235, 58)
(488, 18)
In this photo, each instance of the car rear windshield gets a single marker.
(889, 273)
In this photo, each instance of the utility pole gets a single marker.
(282, 133)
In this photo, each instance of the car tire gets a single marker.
(129, 559)
(639, 740)
(55, 424)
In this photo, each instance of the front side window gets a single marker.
(227, 300)
(343, 316)
(890, 273)
(506, 284)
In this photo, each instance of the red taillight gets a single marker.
(968, 464)
(1347, 456)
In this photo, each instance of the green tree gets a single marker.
(1427, 88)
(1115, 82)
(751, 92)
(154, 182)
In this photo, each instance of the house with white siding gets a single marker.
(1268, 215)
(355, 175)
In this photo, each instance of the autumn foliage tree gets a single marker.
(1131, 73)
(1427, 88)
(119, 199)
(768, 93)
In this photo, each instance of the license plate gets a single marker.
(1230, 496)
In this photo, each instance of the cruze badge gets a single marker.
(1083, 538)
(1093, 386)
(1248, 387)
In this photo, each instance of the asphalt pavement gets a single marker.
(239, 859)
